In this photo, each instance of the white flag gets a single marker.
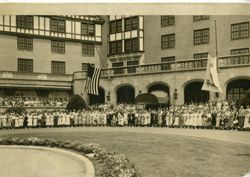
(211, 82)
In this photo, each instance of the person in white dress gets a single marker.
(247, 118)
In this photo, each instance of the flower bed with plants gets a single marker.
(113, 164)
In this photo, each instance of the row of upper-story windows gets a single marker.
(56, 25)
(26, 43)
(26, 65)
(130, 23)
(201, 36)
(131, 45)
(169, 20)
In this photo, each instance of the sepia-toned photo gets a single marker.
(124, 90)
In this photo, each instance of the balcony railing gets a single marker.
(191, 65)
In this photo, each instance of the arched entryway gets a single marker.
(125, 94)
(160, 90)
(97, 99)
(194, 94)
(236, 89)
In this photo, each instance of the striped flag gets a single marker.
(93, 78)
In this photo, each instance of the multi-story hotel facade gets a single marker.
(167, 55)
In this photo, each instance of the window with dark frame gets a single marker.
(131, 23)
(201, 55)
(57, 25)
(131, 45)
(118, 70)
(115, 47)
(240, 31)
(167, 62)
(115, 26)
(24, 43)
(58, 67)
(239, 59)
(87, 29)
(25, 22)
(58, 47)
(200, 63)
(24, 65)
(168, 41)
(85, 66)
(200, 17)
(132, 63)
(201, 36)
(167, 20)
(88, 49)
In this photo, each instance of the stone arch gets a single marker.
(125, 93)
(193, 92)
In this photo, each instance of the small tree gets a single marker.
(76, 102)
(245, 100)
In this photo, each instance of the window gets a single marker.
(58, 47)
(201, 36)
(240, 31)
(58, 67)
(200, 17)
(24, 65)
(131, 23)
(131, 45)
(168, 20)
(167, 66)
(168, 41)
(244, 59)
(88, 29)
(132, 63)
(88, 49)
(25, 22)
(115, 26)
(118, 70)
(115, 47)
(85, 66)
(57, 25)
(24, 43)
(200, 55)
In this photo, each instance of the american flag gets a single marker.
(93, 78)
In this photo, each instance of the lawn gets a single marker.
(164, 155)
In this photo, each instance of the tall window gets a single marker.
(201, 36)
(24, 43)
(239, 59)
(25, 22)
(58, 67)
(168, 41)
(88, 49)
(88, 29)
(168, 20)
(131, 23)
(115, 26)
(58, 47)
(200, 17)
(57, 25)
(240, 31)
(24, 65)
(131, 45)
(115, 47)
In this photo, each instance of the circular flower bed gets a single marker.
(114, 164)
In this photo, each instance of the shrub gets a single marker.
(76, 102)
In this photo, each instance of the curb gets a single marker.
(88, 167)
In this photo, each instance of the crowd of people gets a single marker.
(23, 101)
(211, 115)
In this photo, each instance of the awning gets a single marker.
(148, 98)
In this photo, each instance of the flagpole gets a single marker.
(216, 48)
